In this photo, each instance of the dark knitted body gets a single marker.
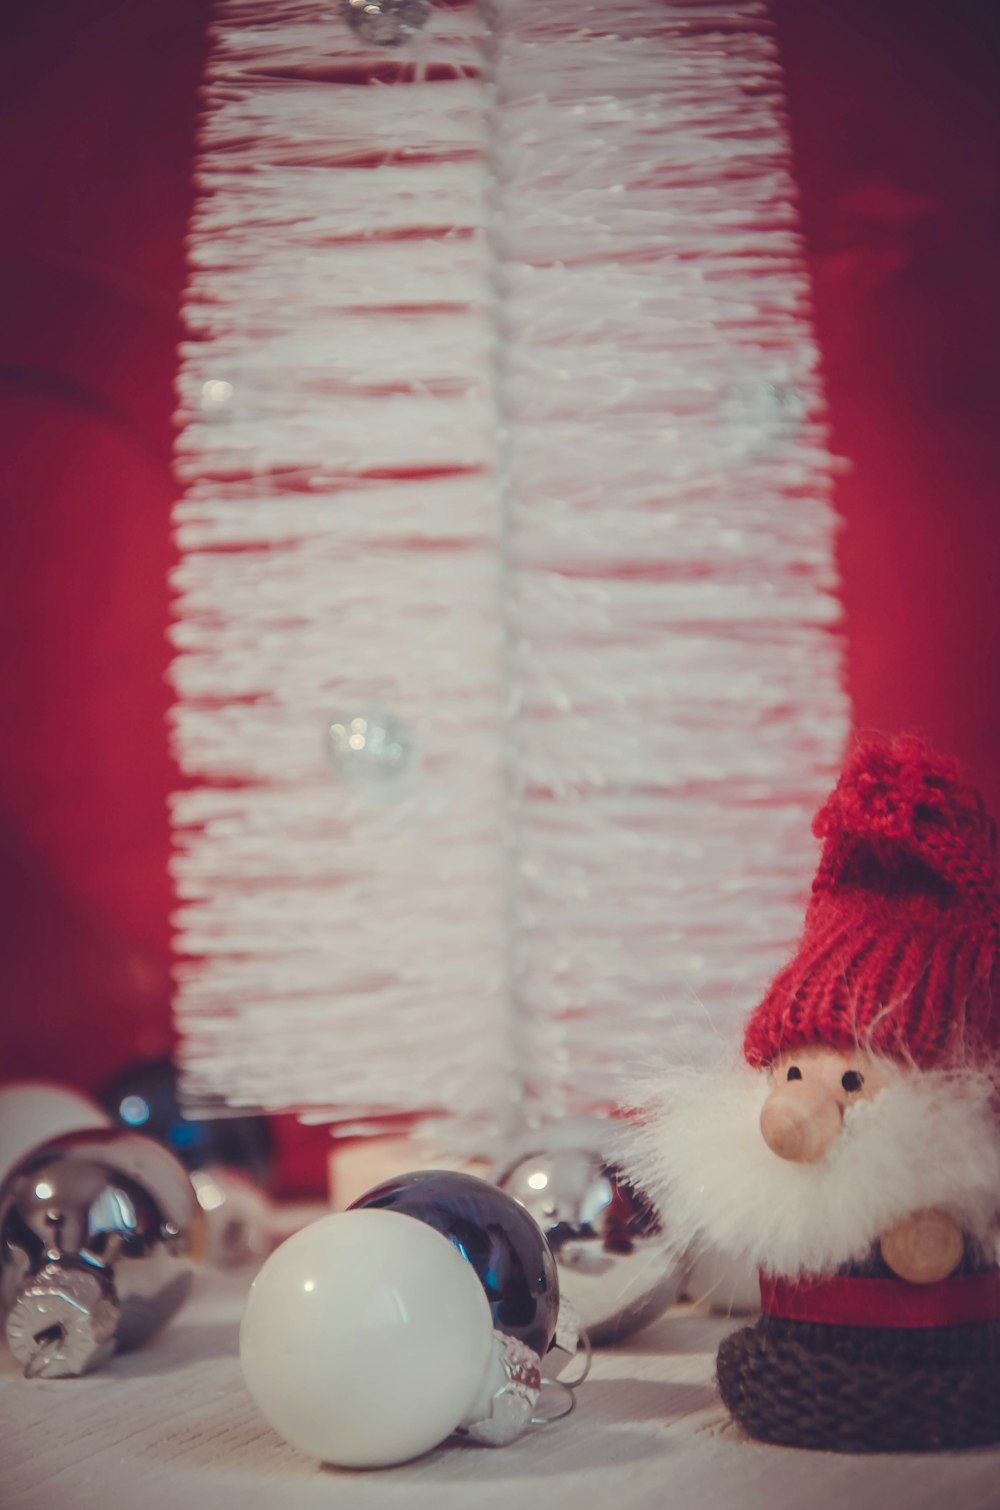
(863, 1389)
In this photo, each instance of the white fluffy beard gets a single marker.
(927, 1139)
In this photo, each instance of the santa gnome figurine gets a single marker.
(854, 1158)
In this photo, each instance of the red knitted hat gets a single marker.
(900, 953)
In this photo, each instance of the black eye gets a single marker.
(852, 1081)
(794, 1073)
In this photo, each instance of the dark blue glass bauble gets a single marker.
(145, 1098)
(504, 1245)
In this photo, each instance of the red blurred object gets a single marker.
(96, 136)
(895, 123)
(895, 112)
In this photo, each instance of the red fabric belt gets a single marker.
(844, 1301)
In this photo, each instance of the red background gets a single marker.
(895, 124)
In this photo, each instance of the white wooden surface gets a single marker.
(171, 1426)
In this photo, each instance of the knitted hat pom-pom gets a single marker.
(891, 792)
(901, 947)
(903, 797)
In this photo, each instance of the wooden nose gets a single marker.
(800, 1122)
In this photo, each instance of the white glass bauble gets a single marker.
(367, 1339)
(35, 1112)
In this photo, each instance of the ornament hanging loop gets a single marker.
(569, 1386)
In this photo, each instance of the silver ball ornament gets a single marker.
(216, 399)
(370, 750)
(610, 1248)
(385, 23)
(758, 413)
(236, 1221)
(95, 1231)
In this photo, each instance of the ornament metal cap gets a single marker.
(62, 1324)
(512, 1404)
(566, 1342)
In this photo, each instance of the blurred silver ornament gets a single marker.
(613, 1258)
(370, 750)
(215, 400)
(95, 1231)
(386, 23)
(514, 1390)
(757, 413)
(236, 1228)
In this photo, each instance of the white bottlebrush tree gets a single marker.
(507, 673)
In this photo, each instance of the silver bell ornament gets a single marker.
(614, 1262)
(95, 1237)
